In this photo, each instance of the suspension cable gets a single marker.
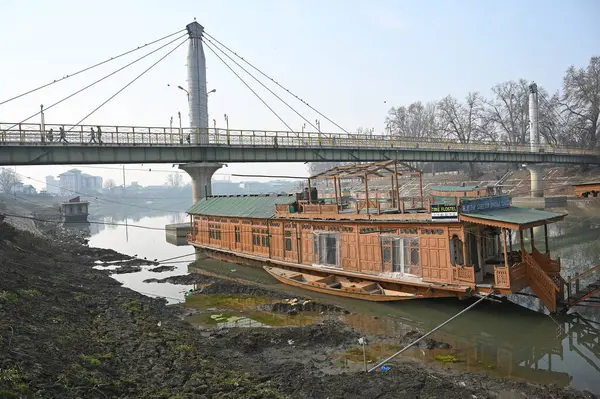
(98, 81)
(248, 86)
(263, 85)
(274, 81)
(128, 84)
(90, 67)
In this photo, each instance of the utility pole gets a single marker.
(123, 176)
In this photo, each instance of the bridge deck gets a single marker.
(32, 144)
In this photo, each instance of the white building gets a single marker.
(52, 185)
(74, 181)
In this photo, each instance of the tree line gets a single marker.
(569, 117)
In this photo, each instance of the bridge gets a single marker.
(34, 144)
(200, 150)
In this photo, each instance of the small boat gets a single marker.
(338, 285)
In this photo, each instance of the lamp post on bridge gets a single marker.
(227, 127)
(318, 123)
(42, 122)
(180, 130)
(186, 92)
(171, 130)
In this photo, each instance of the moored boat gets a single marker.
(339, 285)
(459, 241)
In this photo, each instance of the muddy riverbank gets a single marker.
(68, 330)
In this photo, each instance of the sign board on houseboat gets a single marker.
(482, 204)
(443, 211)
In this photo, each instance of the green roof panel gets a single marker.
(516, 215)
(457, 189)
(244, 206)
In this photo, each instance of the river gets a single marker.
(505, 340)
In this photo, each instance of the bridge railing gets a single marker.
(49, 134)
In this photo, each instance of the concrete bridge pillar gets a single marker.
(201, 174)
(537, 182)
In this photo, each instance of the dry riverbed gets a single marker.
(68, 330)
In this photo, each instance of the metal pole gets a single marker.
(432, 331)
(123, 176)
(42, 121)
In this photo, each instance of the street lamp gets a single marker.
(212, 91)
(227, 127)
(186, 92)
(318, 125)
(303, 126)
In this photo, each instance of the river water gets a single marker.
(505, 340)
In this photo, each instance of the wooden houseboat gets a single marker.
(407, 247)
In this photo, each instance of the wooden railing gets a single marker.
(547, 264)
(541, 284)
(501, 277)
(577, 279)
(318, 208)
(464, 274)
(518, 277)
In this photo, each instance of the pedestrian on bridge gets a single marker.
(92, 136)
(50, 135)
(62, 137)
(99, 135)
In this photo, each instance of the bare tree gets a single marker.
(464, 122)
(109, 184)
(8, 179)
(417, 121)
(581, 99)
(174, 180)
(508, 110)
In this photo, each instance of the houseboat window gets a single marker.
(387, 254)
(414, 253)
(214, 231)
(326, 248)
(288, 240)
(237, 234)
(260, 237)
(456, 251)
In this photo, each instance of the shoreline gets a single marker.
(69, 330)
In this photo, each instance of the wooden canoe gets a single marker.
(338, 285)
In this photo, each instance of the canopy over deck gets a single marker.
(381, 169)
(513, 218)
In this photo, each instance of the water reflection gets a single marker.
(146, 239)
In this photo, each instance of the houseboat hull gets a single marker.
(339, 285)
(420, 290)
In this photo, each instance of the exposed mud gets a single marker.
(126, 269)
(185, 279)
(70, 331)
(161, 269)
(303, 306)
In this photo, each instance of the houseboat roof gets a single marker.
(381, 168)
(589, 183)
(457, 189)
(514, 217)
(248, 206)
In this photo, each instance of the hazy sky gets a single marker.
(351, 60)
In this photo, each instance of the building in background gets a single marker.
(52, 185)
(74, 181)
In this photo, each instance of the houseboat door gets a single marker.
(392, 255)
